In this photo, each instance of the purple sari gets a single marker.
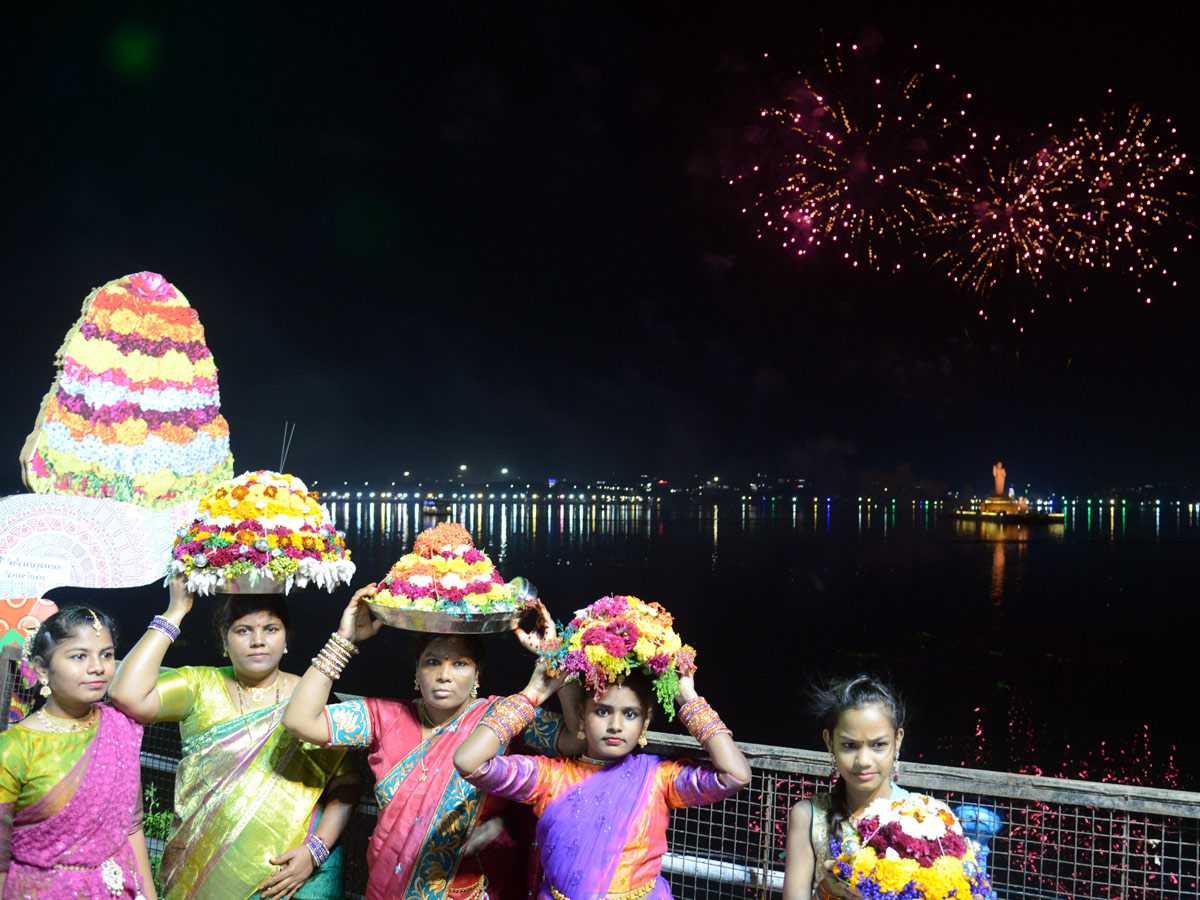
(583, 831)
(74, 842)
(602, 831)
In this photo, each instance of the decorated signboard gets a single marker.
(52, 541)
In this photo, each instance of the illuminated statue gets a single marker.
(998, 473)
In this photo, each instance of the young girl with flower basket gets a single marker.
(870, 837)
(602, 818)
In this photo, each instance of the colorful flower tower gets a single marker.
(134, 413)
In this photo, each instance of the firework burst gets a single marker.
(1099, 199)
(1128, 172)
(999, 214)
(857, 145)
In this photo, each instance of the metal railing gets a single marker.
(1057, 838)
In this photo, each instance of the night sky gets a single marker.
(501, 235)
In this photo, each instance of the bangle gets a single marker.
(339, 641)
(333, 657)
(335, 653)
(317, 848)
(325, 669)
(509, 717)
(163, 624)
(701, 720)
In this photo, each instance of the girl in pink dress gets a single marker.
(70, 777)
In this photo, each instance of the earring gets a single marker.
(896, 768)
(475, 689)
(416, 683)
(44, 690)
(833, 769)
(285, 648)
(225, 652)
(642, 740)
(579, 735)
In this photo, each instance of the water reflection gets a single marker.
(391, 526)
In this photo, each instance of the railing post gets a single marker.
(768, 836)
(10, 666)
(1124, 856)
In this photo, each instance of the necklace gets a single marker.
(584, 758)
(259, 694)
(242, 707)
(66, 726)
(427, 722)
(435, 730)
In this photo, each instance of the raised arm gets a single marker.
(135, 689)
(512, 714)
(305, 713)
(570, 695)
(702, 722)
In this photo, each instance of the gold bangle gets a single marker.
(345, 644)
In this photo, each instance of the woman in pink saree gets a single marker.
(437, 836)
(70, 777)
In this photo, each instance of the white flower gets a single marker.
(881, 807)
(921, 820)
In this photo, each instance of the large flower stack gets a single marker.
(618, 635)
(446, 573)
(909, 849)
(261, 525)
(134, 413)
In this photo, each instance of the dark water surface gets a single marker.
(1067, 649)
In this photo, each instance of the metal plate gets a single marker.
(444, 623)
(249, 583)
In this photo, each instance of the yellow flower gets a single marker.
(894, 874)
(944, 876)
(864, 863)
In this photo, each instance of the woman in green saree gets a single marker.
(257, 812)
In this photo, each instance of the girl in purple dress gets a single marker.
(602, 818)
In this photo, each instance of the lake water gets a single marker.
(1063, 649)
(1053, 639)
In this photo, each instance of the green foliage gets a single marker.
(666, 686)
(156, 823)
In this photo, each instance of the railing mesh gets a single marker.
(1058, 839)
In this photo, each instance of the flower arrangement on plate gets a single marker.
(613, 637)
(907, 850)
(262, 532)
(447, 584)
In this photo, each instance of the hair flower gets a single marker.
(615, 636)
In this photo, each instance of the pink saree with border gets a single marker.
(74, 842)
